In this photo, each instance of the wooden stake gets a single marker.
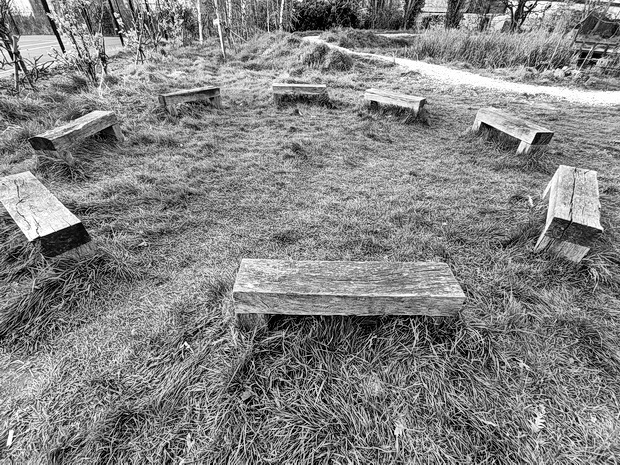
(116, 25)
(282, 16)
(218, 22)
(200, 38)
(16, 63)
(46, 8)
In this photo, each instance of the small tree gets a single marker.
(88, 54)
(411, 11)
(519, 11)
(454, 13)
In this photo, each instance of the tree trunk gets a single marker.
(219, 28)
(200, 38)
(46, 8)
(282, 16)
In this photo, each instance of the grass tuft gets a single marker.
(34, 308)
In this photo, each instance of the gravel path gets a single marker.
(465, 78)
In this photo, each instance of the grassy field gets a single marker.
(132, 355)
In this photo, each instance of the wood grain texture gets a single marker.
(211, 94)
(393, 98)
(573, 216)
(299, 89)
(525, 131)
(40, 215)
(346, 288)
(61, 138)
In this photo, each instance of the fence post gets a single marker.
(46, 8)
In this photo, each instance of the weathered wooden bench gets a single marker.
(376, 96)
(40, 215)
(280, 91)
(61, 138)
(267, 287)
(199, 94)
(531, 135)
(573, 216)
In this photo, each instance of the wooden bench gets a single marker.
(265, 287)
(573, 216)
(531, 135)
(61, 138)
(199, 94)
(376, 96)
(40, 215)
(298, 90)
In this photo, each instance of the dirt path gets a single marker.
(443, 73)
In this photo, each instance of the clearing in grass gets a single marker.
(132, 355)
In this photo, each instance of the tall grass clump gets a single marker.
(53, 293)
(537, 49)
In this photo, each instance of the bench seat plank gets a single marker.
(346, 288)
(573, 216)
(531, 135)
(40, 215)
(393, 98)
(197, 94)
(62, 137)
(299, 89)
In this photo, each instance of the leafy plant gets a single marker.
(88, 55)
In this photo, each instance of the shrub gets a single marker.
(324, 14)
(315, 56)
(338, 61)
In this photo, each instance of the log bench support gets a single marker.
(573, 217)
(283, 287)
(63, 137)
(199, 94)
(41, 216)
(376, 96)
(531, 135)
(293, 91)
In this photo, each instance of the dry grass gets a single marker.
(151, 369)
(536, 49)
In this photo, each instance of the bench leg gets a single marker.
(567, 250)
(526, 149)
(477, 126)
(251, 321)
(64, 155)
(81, 251)
(114, 131)
(172, 109)
(217, 102)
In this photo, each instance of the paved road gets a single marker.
(36, 46)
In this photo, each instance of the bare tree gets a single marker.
(454, 13)
(520, 10)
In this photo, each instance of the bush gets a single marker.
(315, 57)
(338, 61)
(312, 15)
